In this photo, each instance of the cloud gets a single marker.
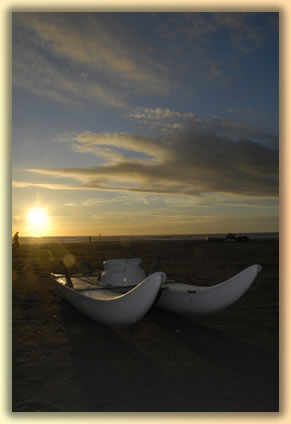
(119, 146)
(238, 129)
(123, 199)
(191, 33)
(169, 121)
(204, 201)
(33, 72)
(105, 57)
(194, 26)
(164, 120)
(243, 28)
(158, 114)
(154, 222)
(162, 117)
(93, 47)
(244, 32)
(49, 186)
(189, 165)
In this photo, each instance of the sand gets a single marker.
(65, 362)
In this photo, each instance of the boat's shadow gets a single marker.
(168, 363)
(244, 371)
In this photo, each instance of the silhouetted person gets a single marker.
(16, 240)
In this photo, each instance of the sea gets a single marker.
(86, 239)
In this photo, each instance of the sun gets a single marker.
(38, 220)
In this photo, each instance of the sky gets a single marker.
(145, 123)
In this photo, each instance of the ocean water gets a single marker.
(85, 239)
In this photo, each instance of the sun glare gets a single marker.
(37, 219)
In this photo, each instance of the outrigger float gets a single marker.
(108, 305)
(123, 294)
(188, 299)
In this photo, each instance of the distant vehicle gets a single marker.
(229, 238)
(215, 239)
(233, 237)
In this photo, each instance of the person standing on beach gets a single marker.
(16, 240)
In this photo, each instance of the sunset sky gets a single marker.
(145, 123)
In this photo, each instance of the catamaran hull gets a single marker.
(110, 307)
(195, 300)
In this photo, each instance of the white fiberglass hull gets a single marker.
(107, 306)
(195, 300)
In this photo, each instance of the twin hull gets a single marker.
(195, 300)
(109, 307)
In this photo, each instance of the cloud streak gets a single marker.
(189, 165)
(69, 56)
(244, 33)
(171, 122)
(33, 72)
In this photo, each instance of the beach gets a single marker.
(62, 361)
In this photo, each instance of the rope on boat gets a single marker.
(68, 278)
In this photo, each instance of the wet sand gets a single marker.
(227, 361)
